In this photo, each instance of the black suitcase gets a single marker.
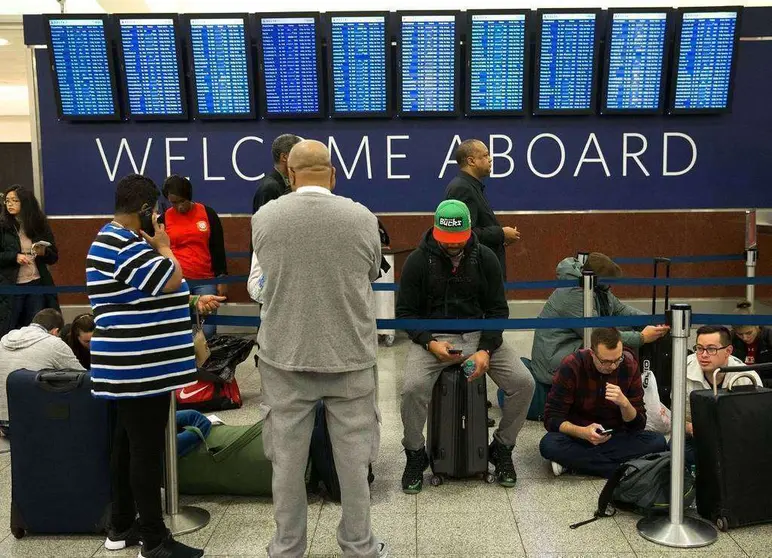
(657, 356)
(458, 429)
(733, 450)
(60, 448)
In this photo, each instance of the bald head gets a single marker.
(309, 165)
(473, 157)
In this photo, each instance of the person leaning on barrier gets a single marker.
(474, 164)
(713, 350)
(451, 275)
(753, 344)
(317, 341)
(551, 346)
(595, 390)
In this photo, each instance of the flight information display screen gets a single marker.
(290, 62)
(704, 66)
(83, 76)
(635, 55)
(496, 79)
(567, 58)
(151, 62)
(358, 65)
(428, 64)
(221, 69)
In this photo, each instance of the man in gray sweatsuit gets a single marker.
(317, 341)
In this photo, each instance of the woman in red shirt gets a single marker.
(197, 239)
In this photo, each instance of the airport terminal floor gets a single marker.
(460, 518)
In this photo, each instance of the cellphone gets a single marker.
(603, 432)
(455, 351)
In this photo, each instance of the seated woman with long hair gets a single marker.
(78, 336)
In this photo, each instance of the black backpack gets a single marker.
(640, 485)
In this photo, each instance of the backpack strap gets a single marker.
(605, 498)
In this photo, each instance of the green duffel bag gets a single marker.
(231, 460)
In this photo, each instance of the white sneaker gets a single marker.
(557, 469)
(383, 550)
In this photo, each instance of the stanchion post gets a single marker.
(186, 519)
(676, 530)
(588, 296)
(751, 257)
(582, 257)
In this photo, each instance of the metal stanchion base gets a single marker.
(187, 520)
(691, 533)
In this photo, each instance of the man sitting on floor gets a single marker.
(595, 415)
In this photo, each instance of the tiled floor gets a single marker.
(464, 519)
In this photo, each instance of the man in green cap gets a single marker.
(451, 275)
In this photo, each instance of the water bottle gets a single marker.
(468, 368)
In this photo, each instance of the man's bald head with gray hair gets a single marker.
(309, 164)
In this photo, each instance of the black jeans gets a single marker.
(24, 307)
(136, 466)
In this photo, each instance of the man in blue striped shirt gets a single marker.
(141, 350)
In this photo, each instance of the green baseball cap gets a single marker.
(452, 223)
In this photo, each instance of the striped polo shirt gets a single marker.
(142, 344)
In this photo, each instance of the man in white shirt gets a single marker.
(713, 350)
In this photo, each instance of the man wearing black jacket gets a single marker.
(276, 183)
(453, 276)
(474, 164)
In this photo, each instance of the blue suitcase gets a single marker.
(60, 452)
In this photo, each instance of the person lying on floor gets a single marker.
(595, 415)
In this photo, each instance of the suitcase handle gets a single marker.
(732, 381)
(60, 381)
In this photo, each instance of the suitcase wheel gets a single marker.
(18, 532)
(721, 523)
(490, 478)
(436, 480)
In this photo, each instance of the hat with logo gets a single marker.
(452, 223)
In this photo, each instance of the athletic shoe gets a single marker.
(413, 477)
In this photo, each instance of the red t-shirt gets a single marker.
(752, 349)
(189, 235)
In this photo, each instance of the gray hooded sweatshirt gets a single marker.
(32, 348)
(551, 346)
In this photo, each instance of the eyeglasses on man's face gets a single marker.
(711, 350)
(609, 363)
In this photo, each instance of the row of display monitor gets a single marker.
(567, 61)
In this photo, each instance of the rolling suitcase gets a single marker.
(657, 357)
(457, 430)
(60, 447)
(733, 450)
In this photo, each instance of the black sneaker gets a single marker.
(125, 539)
(501, 457)
(170, 548)
(413, 477)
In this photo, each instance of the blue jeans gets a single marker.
(209, 329)
(24, 307)
(602, 460)
(188, 441)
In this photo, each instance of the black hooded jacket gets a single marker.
(429, 289)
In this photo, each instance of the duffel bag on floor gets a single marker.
(231, 460)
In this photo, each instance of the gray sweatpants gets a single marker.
(422, 370)
(352, 419)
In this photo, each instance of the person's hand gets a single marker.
(222, 290)
(511, 234)
(24, 259)
(482, 362)
(690, 429)
(440, 350)
(160, 240)
(652, 333)
(208, 303)
(590, 433)
(615, 395)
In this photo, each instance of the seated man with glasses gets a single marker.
(713, 350)
(594, 414)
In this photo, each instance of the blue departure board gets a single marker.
(635, 54)
(290, 61)
(358, 65)
(221, 69)
(566, 63)
(706, 50)
(428, 64)
(85, 83)
(151, 64)
(496, 80)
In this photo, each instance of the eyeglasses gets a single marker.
(609, 363)
(9, 201)
(699, 349)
